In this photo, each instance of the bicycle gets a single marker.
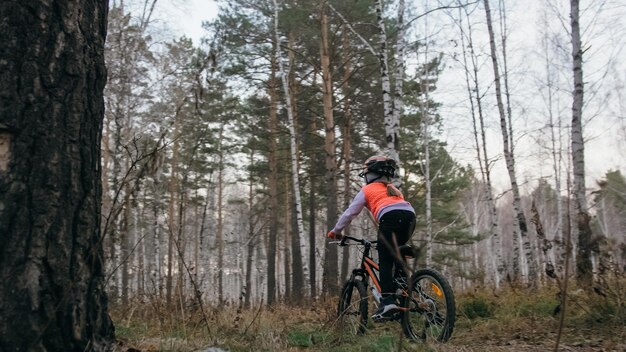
(427, 311)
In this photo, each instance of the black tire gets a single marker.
(352, 310)
(429, 310)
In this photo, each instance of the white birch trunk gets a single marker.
(391, 125)
(584, 269)
(391, 112)
(519, 218)
(578, 147)
(399, 74)
(529, 246)
(294, 157)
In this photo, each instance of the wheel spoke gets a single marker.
(431, 311)
(352, 310)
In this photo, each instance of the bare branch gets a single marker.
(365, 42)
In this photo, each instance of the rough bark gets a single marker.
(330, 277)
(346, 147)
(273, 182)
(584, 272)
(251, 237)
(52, 76)
(220, 218)
(392, 127)
(313, 235)
(399, 72)
(287, 229)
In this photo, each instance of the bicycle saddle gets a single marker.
(409, 251)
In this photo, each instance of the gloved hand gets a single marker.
(333, 235)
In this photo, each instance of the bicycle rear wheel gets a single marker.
(352, 311)
(430, 309)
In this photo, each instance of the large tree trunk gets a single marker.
(125, 243)
(273, 183)
(287, 229)
(155, 261)
(251, 236)
(312, 214)
(399, 73)
(392, 126)
(220, 219)
(584, 268)
(346, 150)
(330, 276)
(298, 241)
(312, 237)
(51, 112)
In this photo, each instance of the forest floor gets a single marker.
(511, 321)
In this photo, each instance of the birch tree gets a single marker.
(583, 259)
(475, 97)
(391, 125)
(298, 259)
(519, 217)
(400, 66)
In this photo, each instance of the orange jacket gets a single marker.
(373, 197)
(376, 197)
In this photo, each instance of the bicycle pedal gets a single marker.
(378, 318)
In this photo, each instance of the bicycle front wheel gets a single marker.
(430, 309)
(352, 311)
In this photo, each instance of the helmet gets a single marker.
(381, 165)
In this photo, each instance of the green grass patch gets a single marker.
(307, 338)
(476, 307)
(536, 305)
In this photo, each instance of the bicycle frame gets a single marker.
(368, 267)
(424, 300)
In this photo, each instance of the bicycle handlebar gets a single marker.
(360, 241)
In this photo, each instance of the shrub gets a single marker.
(476, 307)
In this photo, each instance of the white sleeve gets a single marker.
(358, 203)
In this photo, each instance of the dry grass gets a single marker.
(515, 320)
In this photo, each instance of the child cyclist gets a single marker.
(396, 222)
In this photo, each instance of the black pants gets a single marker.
(394, 228)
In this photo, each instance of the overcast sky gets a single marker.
(186, 16)
(605, 148)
